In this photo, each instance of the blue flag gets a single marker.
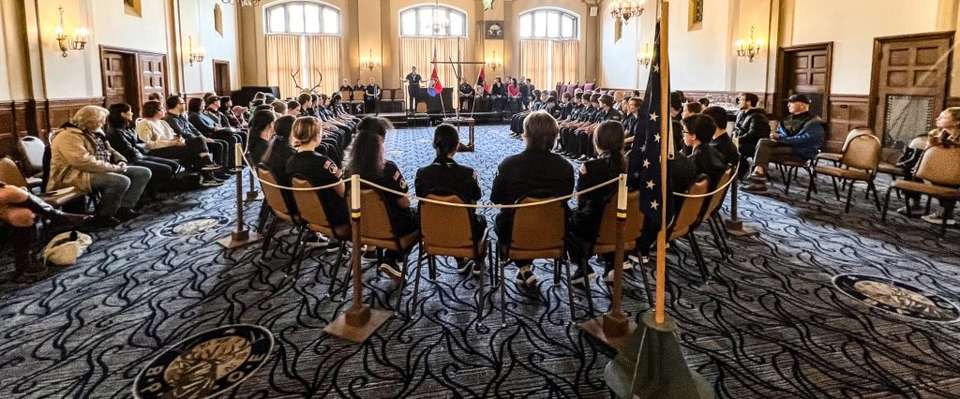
(645, 157)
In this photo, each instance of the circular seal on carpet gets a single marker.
(897, 297)
(205, 364)
(193, 226)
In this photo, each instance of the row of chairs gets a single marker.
(355, 98)
(538, 233)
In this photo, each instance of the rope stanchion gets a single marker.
(613, 328)
(241, 236)
(360, 320)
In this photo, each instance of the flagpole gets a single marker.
(665, 136)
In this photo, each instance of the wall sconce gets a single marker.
(623, 10)
(194, 56)
(645, 57)
(494, 63)
(370, 62)
(750, 48)
(66, 42)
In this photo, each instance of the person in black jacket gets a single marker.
(209, 127)
(721, 140)
(535, 170)
(584, 222)
(124, 139)
(260, 135)
(752, 125)
(183, 128)
(318, 170)
(445, 176)
(698, 131)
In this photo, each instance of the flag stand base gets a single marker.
(651, 365)
(358, 323)
(737, 229)
(610, 329)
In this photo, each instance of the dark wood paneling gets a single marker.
(36, 118)
(846, 113)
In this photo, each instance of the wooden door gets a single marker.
(119, 78)
(152, 76)
(909, 84)
(221, 77)
(806, 70)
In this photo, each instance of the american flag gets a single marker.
(645, 157)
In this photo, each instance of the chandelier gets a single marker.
(623, 10)
(749, 48)
(242, 3)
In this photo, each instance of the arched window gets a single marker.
(303, 46)
(549, 23)
(302, 17)
(433, 20)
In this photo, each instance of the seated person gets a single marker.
(800, 135)
(317, 169)
(466, 95)
(232, 114)
(368, 159)
(293, 108)
(259, 136)
(445, 176)
(20, 209)
(698, 131)
(160, 141)
(182, 127)
(605, 112)
(281, 149)
(751, 126)
(721, 140)
(535, 170)
(631, 121)
(584, 222)
(691, 108)
(81, 157)
(124, 139)
(945, 134)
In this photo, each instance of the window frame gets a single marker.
(285, 5)
(430, 7)
(561, 14)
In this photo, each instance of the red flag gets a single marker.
(436, 80)
(482, 81)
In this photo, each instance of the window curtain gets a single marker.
(535, 62)
(323, 54)
(566, 59)
(283, 59)
(419, 51)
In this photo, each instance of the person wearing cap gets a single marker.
(800, 135)
(751, 126)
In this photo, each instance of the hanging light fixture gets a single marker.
(440, 24)
(242, 3)
(645, 57)
(78, 41)
(749, 48)
(194, 56)
(623, 10)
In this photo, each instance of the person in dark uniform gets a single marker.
(556, 111)
(369, 161)
(345, 85)
(535, 170)
(371, 95)
(573, 116)
(721, 140)
(413, 87)
(444, 177)
(318, 170)
(586, 117)
(498, 93)
(630, 120)
(698, 131)
(584, 222)
(584, 134)
(260, 136)
(466, 95)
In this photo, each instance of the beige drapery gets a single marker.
(283, 59)
(547, 62)
(323, 54)
(419, 51)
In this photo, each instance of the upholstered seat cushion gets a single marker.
(926, 188)
(843, 173)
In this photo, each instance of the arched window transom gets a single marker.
(432, 20)
(302, 17)
(549, 23)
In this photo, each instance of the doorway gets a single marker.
(909, 84)
(221, 77)
(804, 69)
(119, 74)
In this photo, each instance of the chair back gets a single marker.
(273, 195)
(421, 107)
(862, 151)
(358, 95)
(32, 149)
(10, 173)
(445, 227)
(386, 94)
(940, 166)
(311, 210)
(608, 225)
(689, 212)
(717, 199)
(538, 227)
(375, 221)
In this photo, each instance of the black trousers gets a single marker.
(230, 141)
(403, 222)
(188, 155)
(163, 171)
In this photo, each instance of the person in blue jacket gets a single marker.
(800, 135)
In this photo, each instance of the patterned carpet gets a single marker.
(769, 324)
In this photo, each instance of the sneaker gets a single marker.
(464, 265)
(756, 188)
(627, 265)
(369, 256)
(210, 183)
(519, 279)
(476, 268)
(222, 175)
(390, 269)
(937, 218)
(126, 214)
(580, 276)
(210, 167)
(529, 277)
(608, 273)
(757, 177)
(914, 210)
(583, 158)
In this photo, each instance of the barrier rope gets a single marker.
(733, 177)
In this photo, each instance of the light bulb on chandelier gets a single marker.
(623, 10)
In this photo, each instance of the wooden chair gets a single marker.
(711, 214)
(32, 149)
(447, 231)
(357, 99)
(939, 170)
(537, 233)
(686, 218)
(376, 231)
(789, 166)
(606, 241)
(10, 174)
(274, 198)
(314, 218)
(834, 157)
(421, 107)
(861, 155)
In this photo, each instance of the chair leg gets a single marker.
(586, 281)
(926, 210)
(416, 281)
(695, 247)
(846, 209)
(813, 184)
(403, 282)
(646, 285)
(876, 195)
(503, 297)
(836, 189)
(716, 238)
(336, 266)
(432, 265)
(722, 228)
(947, 214)
(299, 248)
(480, 300)
(569, 287)
(886, 205)
(267, 237)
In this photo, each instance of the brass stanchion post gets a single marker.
(241, 236)
(734, 224)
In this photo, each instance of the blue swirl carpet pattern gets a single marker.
(771, 323)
